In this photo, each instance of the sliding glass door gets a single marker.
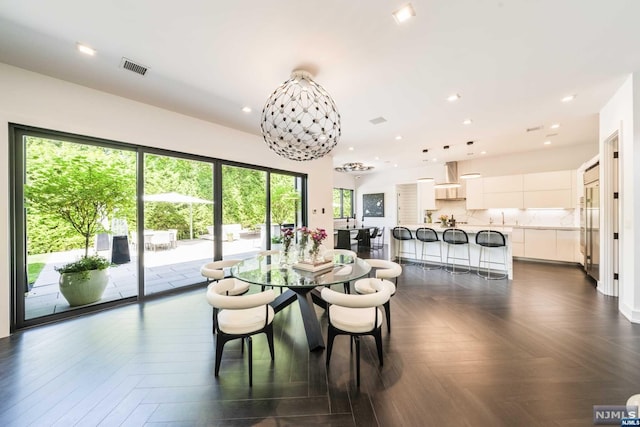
(177, 234)
(286, 204)
(244, 207)
(78, 201)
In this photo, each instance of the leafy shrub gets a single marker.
(93, 262)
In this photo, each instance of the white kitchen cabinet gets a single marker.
(426, 198)
(567, 243)
(540, 244)
(557, 180)
(551, 244)
(475, 193)
(509, 199)
(517, 242)
(549, 199)
(502, 184)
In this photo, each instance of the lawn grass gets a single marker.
(35, 265)
(33, 271)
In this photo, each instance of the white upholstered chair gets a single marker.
(214, 271)
(356, 316)
(240, 317)
(341, 256)
(384, 270)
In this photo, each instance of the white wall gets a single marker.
(36, 100)
(620, 115)
(344, 180)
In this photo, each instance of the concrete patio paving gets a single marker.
(164, 270)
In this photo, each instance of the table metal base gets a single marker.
(305, 297)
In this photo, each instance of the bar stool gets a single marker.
(378, 242)
(488, 239)
(401, 234)
(428, 235)
(456, 237)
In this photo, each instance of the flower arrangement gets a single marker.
(304, 235)
(317, 236)
(287, 238)
(444, 218)
(303, 240)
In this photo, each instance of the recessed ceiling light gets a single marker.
(547, 143)
(85, 49)
(404, 13)
(555, 126)
(568, 98)
(434, 160)
(351, 148)
(483, 152)
(246, 109)
(467, 122)
(453, 98)
(395, 165)
(376, 158)
(398, 138)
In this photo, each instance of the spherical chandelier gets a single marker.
(300, 121)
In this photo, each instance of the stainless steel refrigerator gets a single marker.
(592, 221)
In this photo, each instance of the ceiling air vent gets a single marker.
(128, 64)
(378, 120)
(535, 128)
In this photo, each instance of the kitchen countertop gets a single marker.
(507, 228)
(466, 227)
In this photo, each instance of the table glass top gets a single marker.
(266, 270)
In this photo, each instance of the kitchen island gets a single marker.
(412, 249)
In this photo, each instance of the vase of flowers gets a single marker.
(287, 238)
(317, 237)
(443, 220)
(303, 240)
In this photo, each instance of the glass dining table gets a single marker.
(301, 285)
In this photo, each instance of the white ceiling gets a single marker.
(510, 60)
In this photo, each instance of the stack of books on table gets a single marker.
(308, 266)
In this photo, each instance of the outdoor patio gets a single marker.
(165, 269)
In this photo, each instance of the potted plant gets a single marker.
(83, 281)
(276, 242)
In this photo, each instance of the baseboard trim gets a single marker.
(632, 315)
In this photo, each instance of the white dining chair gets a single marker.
(356, 316)
(342, 256)
(384, 271)
(160, 239)
(240, 317)
(215, 271)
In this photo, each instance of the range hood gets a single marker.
(451, 177)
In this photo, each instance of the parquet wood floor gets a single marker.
(540, 350)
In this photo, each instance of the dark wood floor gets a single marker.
(540, 350)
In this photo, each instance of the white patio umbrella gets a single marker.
(178, 198)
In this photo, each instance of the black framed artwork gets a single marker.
(373, 205)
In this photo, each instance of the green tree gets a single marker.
(81, 185)
(284, 199)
